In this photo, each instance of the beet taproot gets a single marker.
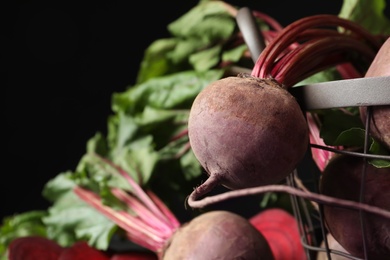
(246, 132)
(342, 178)
(217, 235)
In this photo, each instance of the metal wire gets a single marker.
(312, 226)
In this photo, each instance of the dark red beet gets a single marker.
(342, 179)
(217, 235)
(82, 251)
(33, 248)
(380, 120)
(246, 132)
(134, 256)
(379, 124)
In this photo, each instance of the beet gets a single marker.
(80, 251)
(33, 248)
(217, 235)
(379, 124)
(342, 178)
(246, 132)
(380, 119)
(134, 256)
(210, 235)
(280, 229)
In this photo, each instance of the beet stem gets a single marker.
(320, 156)
(174, 223)
(138, 191)
(275, 25)
(143, 213)
(123, 219)
(152, 224)
(307, 29)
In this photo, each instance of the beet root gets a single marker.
(135, 256)
(33, 248)
(217, 235)
(380, 119)
(81, 250)
(379, 123)
(281, 230)
(342, 178)
(246, 131)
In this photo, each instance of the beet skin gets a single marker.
(342, 179)
(218, 235)
(247, 131)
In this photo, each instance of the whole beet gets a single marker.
(246, 131)
(82, 250)
(218, 235)
(34, 248)
(342, 178)
(380, 119)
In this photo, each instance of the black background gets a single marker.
(63, 61)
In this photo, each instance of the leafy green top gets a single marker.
(147, 130)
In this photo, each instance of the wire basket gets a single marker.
(312, 225)
(349, 93)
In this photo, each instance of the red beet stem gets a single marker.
(316, 55)
(303, 29)
(274, 24)
(150, 223)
